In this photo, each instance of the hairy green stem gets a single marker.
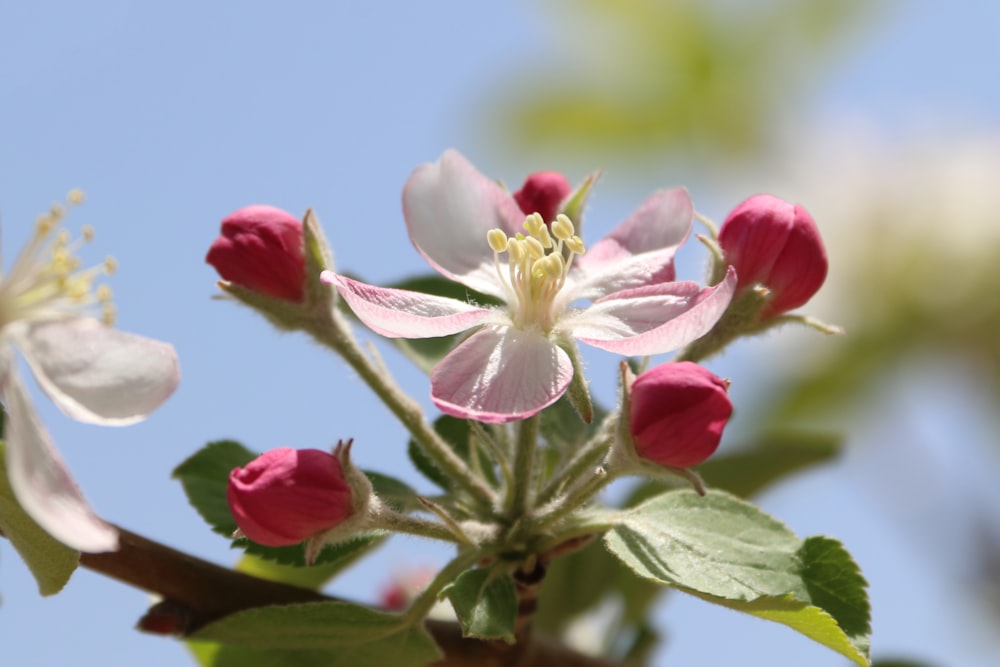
(518, 495)
(335, 334)
(413, 525)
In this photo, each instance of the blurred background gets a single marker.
(882, 118)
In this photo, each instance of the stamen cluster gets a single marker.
(537, 267)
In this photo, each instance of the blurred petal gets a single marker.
(96, 373)
(42, 483)
(449, 207)
(639, 251)
(400, 313)
(653, 319)
(500, 374)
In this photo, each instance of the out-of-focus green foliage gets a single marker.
(645, 76)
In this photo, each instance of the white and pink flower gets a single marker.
(92, 372)
(516, 362)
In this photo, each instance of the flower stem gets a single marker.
(413, 525)
(334, 332)
(588, 456)
(519, 492)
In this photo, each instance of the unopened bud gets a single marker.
(543, 193)
(261, 248)
(776, 244)
(286, 496)
(677, 412)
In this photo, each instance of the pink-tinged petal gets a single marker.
(96, 373)
(398, 313)
(449, 207)
(653, 319)
(639, 251)
(500, 374)
(40, 480)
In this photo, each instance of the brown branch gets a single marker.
(196, 592)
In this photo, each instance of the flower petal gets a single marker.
(653, 319)
(40, 480)
(398, 313)
(639, 251)
(500, 374)
(449, 207)
(96, 373)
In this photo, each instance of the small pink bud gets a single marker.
(543, 193)
(677, 413)
(261, 248)
(286, 496)
(778, 245)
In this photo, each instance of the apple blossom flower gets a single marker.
(515, 363)
(92, 372)
(776, 244)
(286, 496)
(677, 412)
(261, 248)
(542, 193)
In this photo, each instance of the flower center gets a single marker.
(48, 280)
(537, 268)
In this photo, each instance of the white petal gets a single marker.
(639, 251)
(449, 207)
(42, 483)
(96, 373)
(398, 313)
(500, 374)
(653, 319)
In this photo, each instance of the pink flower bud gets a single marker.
(776, 244)
(542, 193)
(286, 496)
(261, 248)
(677, 413)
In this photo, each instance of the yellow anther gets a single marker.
(533, 223)
(497, 240)
(515, 249)
(575, 243)
(563, 228)
(75, 196)
(552, 266)
(87, 232)
(534, 247)
(544, 237)
(103, 293)
(57, 211)
(110, 265)
(108, 313)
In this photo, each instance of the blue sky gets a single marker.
(171, 116)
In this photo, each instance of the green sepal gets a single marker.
(485, 602)
(51, 562)
(455, 432)
(578, 392)
(573, 208)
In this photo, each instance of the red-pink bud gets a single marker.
(677, 413)
(286, 496)
(776, 244)
(543, 193)
(261, 248)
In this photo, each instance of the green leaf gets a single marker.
(359, 636)
(750, 470)
(50, 562)
(727, 552)
(205, 476)
(716, 544)
(836, 586)
(485, 602)
(213, 654)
